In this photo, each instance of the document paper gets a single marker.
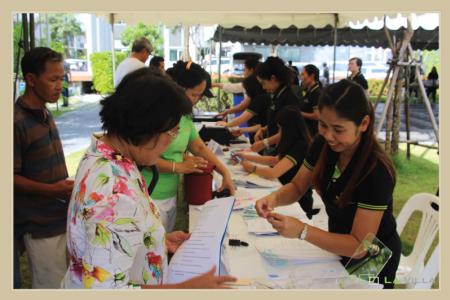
(203, 249)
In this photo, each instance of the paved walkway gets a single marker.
(76, 127)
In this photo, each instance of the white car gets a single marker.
(375, 72)
(225, 65)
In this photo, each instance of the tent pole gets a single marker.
(335, 44)
(113, 52)
(219, 104)
(32, 37)
(26, 44)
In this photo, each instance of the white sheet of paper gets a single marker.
(215, 147)
(203, 249)
(294, 250)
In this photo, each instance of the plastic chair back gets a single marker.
(411, 267)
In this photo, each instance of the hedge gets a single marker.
(102, 76)
(375, 86)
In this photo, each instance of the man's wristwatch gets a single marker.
(304, 232)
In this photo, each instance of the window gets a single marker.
(173, 54)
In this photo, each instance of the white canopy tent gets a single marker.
(246, 19)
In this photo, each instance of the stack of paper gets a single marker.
(203, 249)
(280, 252)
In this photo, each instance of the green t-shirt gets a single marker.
(167, 185)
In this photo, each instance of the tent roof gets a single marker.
(313, 36)
(245, 19)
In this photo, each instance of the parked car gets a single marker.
(375, 72)
(77, 64)
(225, 65)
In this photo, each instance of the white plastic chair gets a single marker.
(425, 281)
(411, 267)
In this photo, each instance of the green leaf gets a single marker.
(102, 235)
(102, 179)
(145, 276)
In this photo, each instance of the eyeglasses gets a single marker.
(173, 133)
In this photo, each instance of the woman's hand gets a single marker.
(221, 123)
(265, 205)
(236, 132)
(191, 164)
(227, 183)
(175, 239)
(248, 166)
(224, 113)
(286, 226)
(257, 146)
(259, 135)
(207, 281)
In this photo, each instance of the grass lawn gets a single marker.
(420, 174)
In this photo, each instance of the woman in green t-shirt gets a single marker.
(174, 161)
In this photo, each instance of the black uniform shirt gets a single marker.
(258, 107)
(310, 102)
(284, 96)
(373, 193)
(360, 79)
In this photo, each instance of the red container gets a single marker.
(198, 186)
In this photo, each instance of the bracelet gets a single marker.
(173, 167)
(266, 143)
(304, 232)
(254, 169)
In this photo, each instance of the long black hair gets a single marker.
(350, 102)
(293, 129)
(274, 66)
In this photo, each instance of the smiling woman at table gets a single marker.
(172, 162)
(352, 174)
(115, 238)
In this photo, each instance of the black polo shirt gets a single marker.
(258, 108)
(296, 154)
(360, 79)
(373, 193)
(284, 96)
(310, 102)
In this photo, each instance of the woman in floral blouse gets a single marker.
(115, 237)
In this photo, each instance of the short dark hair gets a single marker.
(156, 60)
(34, 60)
(358, 61)
(274, 66)
(251, 63)
(142, 43)
(187, 74)
(143, 105)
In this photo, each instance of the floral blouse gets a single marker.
(115, 237)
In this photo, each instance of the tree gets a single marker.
(152, 32)
(63, 29)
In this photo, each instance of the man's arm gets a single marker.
(62, 188)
